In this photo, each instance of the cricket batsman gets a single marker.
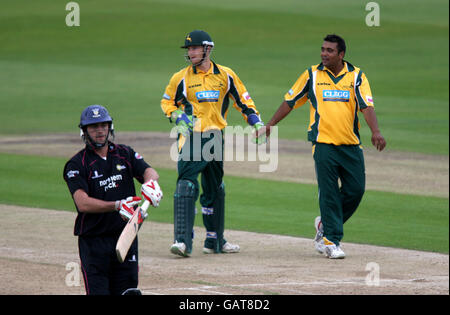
(197, 100)
(100, 178)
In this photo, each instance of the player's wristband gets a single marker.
(253, 119)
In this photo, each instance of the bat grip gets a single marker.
(145, 205)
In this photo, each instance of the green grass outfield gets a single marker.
(387, 219)
(124, 53)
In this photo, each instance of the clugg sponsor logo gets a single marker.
(336, 95)
(207, 96)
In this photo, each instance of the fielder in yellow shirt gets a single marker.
(336, 91)
(197, 100)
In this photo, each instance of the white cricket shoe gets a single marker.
(318, 239)
(227, 248)
(332, 250)
(320, 246)
(230, 248)
(179, 249)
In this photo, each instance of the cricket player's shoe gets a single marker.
(179, 249)
(132, 291)
(318, 239)
(320, 246)
(227, 248)
(332, 250)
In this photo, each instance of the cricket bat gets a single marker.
(129, 233)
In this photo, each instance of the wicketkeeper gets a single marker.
(100, 179)
(197, 100)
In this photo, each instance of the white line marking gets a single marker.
(208, 288)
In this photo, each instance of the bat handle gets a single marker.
(145, 205)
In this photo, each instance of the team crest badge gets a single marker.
(95, 113)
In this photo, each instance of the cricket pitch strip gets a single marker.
(39, 255)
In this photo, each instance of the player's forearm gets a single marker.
(88, 204)
(279, 115)
(371, 119)
(149, 174)
(377, 139)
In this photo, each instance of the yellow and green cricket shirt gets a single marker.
(335, 101)
(206, 95)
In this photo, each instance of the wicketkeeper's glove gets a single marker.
(261, 138)
(256, 122)
(183, 122)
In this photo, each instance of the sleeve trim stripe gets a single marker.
(359, 99)
(234, 93)
(302, 93)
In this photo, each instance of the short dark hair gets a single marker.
(336, 39)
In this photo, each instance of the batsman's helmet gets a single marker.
(94, 114)
(197, 38)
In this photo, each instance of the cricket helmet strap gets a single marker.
(95, 114)
(198, 38)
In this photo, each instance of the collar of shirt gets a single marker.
(112, 147)
(213, 69)
(348, 67)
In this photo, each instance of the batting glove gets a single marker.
(183, 122)
(152, 192)
(126, 206)
(128, 213)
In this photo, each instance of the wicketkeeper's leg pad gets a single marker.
(214, 221)
(184, 212)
